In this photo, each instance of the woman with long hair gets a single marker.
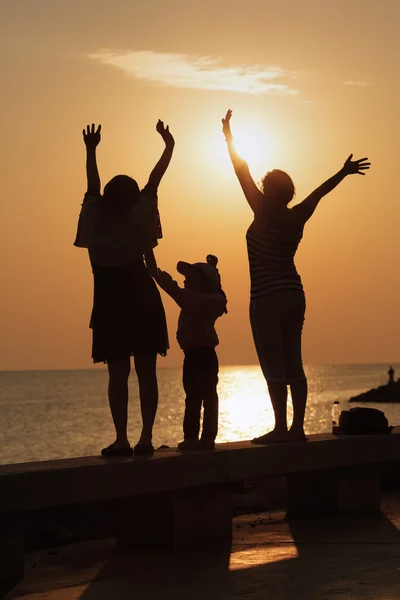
(277, 301)
(120, 228)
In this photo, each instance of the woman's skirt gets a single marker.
(128, 317)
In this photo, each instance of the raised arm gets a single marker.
(162, 165)
(306, 208)
(91, 137)
(193, 301)
(253, 195)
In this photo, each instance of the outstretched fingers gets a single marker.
(92, 129)
(362, 165)
(91, 135)
(356, 166)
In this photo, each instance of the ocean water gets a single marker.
(59, 414)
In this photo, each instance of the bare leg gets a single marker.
(118, 399)
(278, 394)
(267, 334)
(148, 392)
(299, 399)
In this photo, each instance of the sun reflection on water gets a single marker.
(245, 407)
(72, 406)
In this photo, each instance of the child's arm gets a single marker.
(170, 286)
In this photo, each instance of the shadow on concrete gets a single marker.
(313, 559)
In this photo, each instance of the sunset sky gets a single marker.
(308, 81)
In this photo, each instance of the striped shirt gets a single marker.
(271, 255)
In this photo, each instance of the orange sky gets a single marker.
(309, 81)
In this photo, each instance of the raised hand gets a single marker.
(358, 167)
(212, 260)
(226, 125)
(165, 132)
(91, 136)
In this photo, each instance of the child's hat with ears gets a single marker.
(209, 269)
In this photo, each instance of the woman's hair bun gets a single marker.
(212, 260)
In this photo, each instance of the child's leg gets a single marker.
(193, 401)
(191, 420)
(210, 416)
(210, 395)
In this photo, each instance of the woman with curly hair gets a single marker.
(277, 301)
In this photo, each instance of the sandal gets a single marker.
(114, 452)
(271, 438)
(143, 448)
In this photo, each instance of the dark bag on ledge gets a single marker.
(363, 421)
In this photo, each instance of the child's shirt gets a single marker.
(199, 311)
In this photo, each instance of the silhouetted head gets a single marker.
(201, 277)
(121, 192)
(278, 184)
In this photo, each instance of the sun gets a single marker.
(252, 142)
(255, 146)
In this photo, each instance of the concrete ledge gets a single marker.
(11, 552)
(31, 486)
(352, 491)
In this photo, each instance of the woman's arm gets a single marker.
(162, 165)
(253, 195)
(91, 137)
(306, 208)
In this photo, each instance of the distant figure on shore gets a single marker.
(391, 374)
(120, 228)
(277, 301)
(201, 301)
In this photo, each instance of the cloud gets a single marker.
(205, 73)
(357, 83)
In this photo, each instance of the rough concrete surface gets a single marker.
(271, 557)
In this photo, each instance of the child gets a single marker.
(202, 301)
